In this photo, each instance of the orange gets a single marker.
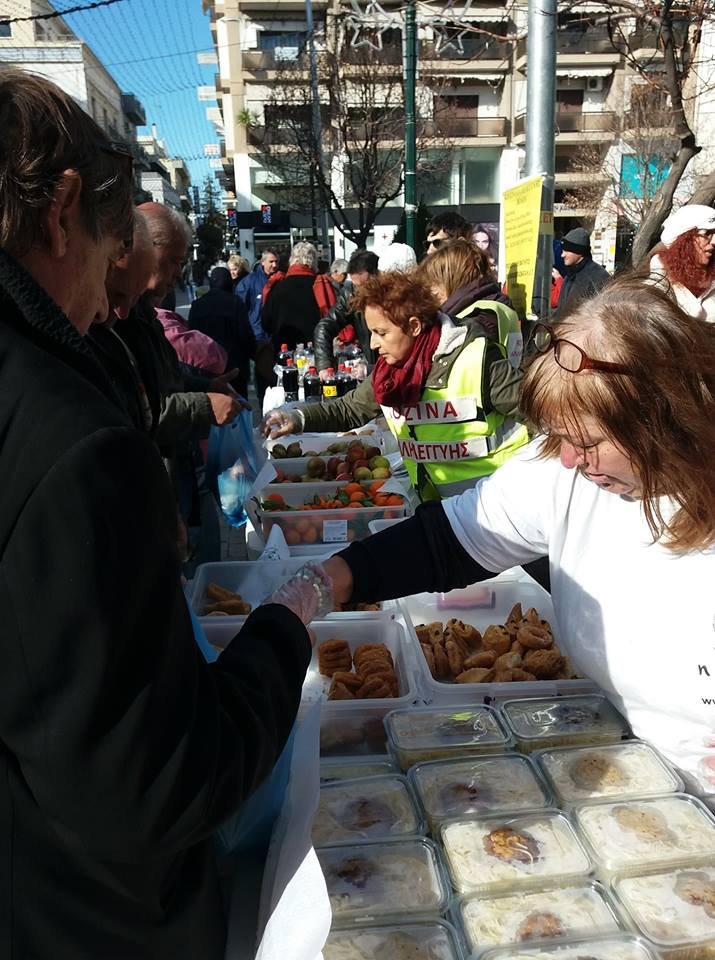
(310, 535)
(354, 488)
(276, 498)
(394, 500)
(302, 525)
(292, 537)
(357, 496)
(375, 486)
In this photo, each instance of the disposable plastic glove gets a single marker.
(309, 593)
(280, 422)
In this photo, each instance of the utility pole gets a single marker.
(541, 135)
(410, 72)
(315, 103)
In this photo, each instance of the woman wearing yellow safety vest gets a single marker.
(448, 386)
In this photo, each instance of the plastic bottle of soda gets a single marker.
(330, 385)
(284, 355)
(344, 380)
(300, 358)
(312, 386)
(290, 380)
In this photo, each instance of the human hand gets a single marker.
(309, 594)
(279, 423)
(341, 577)
(222, 384)
(224, 409)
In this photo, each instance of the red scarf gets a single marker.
(401, 387)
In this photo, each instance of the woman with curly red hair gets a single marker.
(683, 262)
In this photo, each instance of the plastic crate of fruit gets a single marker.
(319, 444)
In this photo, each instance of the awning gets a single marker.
(584, 71)
(475, 77)
(488, 16)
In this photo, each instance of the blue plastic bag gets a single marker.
(232, 465)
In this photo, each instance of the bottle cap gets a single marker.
(312, 370)
(330, 371)
(289, 362)
(284, 347)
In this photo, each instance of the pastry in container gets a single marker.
(368, 809)
(436, 733)
(378, 882)
(404, 941)
(618, 946)
(628, 769)
(522, 916)
(544, 722)
(478, 785)
(499, 852)
(674, 909)
(653, 831)
(354, 768)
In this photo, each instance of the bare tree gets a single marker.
(358, 165)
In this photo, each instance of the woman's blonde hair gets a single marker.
(454, 265)
(661, 414)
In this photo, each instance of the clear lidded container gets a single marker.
(617, 946)
(437, 940)
(674, 909)
(355, 768)
(354, 731)
(380, 881)
(542, 722)
(628, 769)
(509, 852)
(369, 809)
(436, 733)
(554, 910)
(648, 832)
(478, 785)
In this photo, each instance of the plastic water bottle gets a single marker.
(300, 358)
(285, 355)
(312, 386)
(330, 385)
(290, 381)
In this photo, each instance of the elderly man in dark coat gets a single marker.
(583, 277)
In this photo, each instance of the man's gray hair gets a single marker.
(339, 266)
(305, 254)
(165, 224)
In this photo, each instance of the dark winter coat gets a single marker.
(121, 751)
(582, 281)
(250, 292)
(291, 311)
(223, 317)
(330, 326)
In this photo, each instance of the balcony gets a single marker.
(133, 110)
(590, 126)
(272, 61)
(572, 46)
(475, 50)
(466, 127)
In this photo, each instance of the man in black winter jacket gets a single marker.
(584, 277)
(362, 264)
(121, 749)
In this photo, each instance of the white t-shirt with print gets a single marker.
(635, 617)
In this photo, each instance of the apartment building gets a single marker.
(471, 90)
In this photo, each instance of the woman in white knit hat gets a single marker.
(683, 262)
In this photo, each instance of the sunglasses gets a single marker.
(435, 243)
(569, 356)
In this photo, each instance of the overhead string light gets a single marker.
(374, 19)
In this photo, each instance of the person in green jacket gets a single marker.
(448, 386)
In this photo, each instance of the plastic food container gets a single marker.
(355, 633)
(619, 946)
(297, 469)
(497, 853)
(355, 768)
(374, 808)
(335, 525)
(674, 909)
(482, 605)
(376, 526)
(563, 721)
(353, 729)
(629, 769)
(255, 580)
(407, 941)
(654, 831)
(437, 733)
(383, 881)
(568, 910)
(478, 786)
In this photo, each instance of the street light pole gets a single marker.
(410, 71)
(315, 114)
(541, 135)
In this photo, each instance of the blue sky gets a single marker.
(149, 47)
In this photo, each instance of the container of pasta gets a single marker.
(520, 916)
(436, 733)
(618, 946)
(496, 853)
(391, 880)
(437, 940)
(674, 909)
(628, 769)
(563, 722)
(648, 832)
(355, 768)
(373, 808)
(478, 785)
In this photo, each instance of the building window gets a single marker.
(480, 175)
(5, 29)
(106, 120)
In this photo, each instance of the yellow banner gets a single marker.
(521, 210)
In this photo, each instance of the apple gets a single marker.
(333, 464)
(355, 453)
(380, 473)
(360, 463)
(343, 476)
(363, 473)
(371, 452)
(343, 467)
(381, 462)
(315, 467)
